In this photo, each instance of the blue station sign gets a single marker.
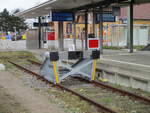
(106, 17)
(62, 16)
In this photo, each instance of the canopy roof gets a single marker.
(45, 8)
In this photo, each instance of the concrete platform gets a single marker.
(132, 70)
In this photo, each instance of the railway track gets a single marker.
(102, 108)
(90, 99)
(108, 87)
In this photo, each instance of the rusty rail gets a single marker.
(34, 62)
(123, 92)
(100, 84)
(103, 108)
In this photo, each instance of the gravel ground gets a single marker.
(65, 100)
(121, 104)
(132, 90)
(8, 104)
(73, 104)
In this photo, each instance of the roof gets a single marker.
(45, 8)
(140, 12)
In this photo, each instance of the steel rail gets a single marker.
(34, 62)
(103, 108)
(100, 84)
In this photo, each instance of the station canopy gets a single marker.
(46, 7)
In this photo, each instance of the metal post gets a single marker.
(94, 22)
(86, 30)
(42, 33)
(148, 35)
(74, 34)
(39, 21)
(15, 33)
(56, 72)
(94, 70)
(60, 36)
(130, 27)
(101, 30)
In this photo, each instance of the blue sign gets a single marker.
(107, 17)
(62, 16)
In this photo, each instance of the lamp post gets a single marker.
(15, 32)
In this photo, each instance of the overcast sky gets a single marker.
(23, 4)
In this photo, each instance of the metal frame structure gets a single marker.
(54, 70)
(84, 6)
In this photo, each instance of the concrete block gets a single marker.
(140, 84)
(110, 77)
(123, 80)
(148, 86)
(2, 67)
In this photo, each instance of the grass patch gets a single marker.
(138, 48)
(112, 48)
(15, 56)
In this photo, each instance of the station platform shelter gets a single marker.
(85, 7)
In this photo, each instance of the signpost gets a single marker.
(106, 17)
(35, 24)
(55, 16)
(100, 18)
(62, 16)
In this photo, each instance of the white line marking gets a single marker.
(147, 66)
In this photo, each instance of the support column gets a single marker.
(130, 28)
(101, 30)
(74, 35)
(86, 30)
(94, 22)
(60, 36)
(149, 36)
(42, 32)
(39, 21)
